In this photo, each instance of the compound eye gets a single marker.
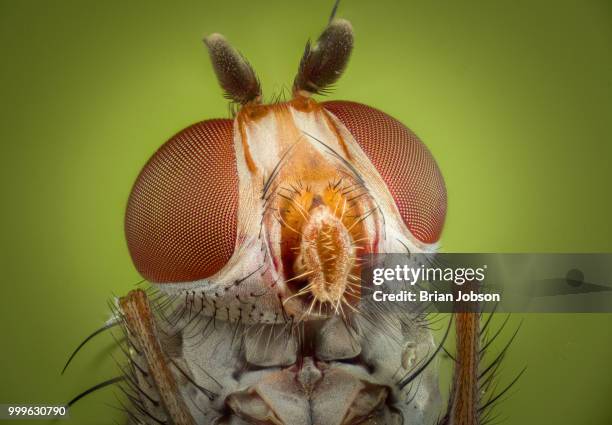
(405, 164)
(180, 222)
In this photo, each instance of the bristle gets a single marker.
(109, 325)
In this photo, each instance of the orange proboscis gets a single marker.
(322, 239)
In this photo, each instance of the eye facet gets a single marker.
(403, 161)
(181, 216)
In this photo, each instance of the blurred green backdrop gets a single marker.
(514, 98)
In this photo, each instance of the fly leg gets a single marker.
(151, 365)
(464, 401)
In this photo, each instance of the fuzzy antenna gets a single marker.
(323, 64)
(235, 74)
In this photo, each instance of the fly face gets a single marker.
(254, 231)
(287, 197)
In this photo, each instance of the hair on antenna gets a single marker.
(333, 12)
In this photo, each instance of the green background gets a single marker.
(514, 98)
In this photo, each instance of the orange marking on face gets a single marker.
(304, 104)
(339, 137)
(247, 115)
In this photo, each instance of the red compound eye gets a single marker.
(181, 217)
(404, 163)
